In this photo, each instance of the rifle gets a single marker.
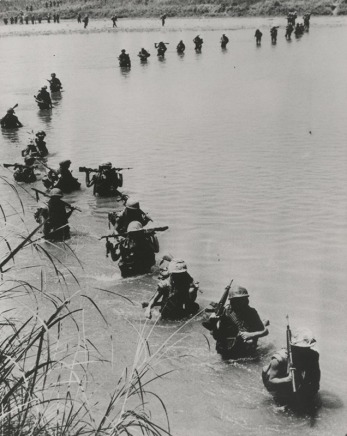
(218, 310)
(144, 231)
(37, 192)
(15, 165)
(291, 368)
(94, 170)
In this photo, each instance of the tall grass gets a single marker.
(44, 376)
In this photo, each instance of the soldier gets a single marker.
(161, 48)
(143, 54)
(198, 43)
(258, 36)
(180, 47)
(25, 173)
(66, 183)
(224, 41)
(273, 33)
(106, 181)
(43, 99)
(86, 21)
(114, 20)
(163, 18)
(130, 213)
(55, 83)
(10, 121)
(136, 251)
(124, 59)
(56, 227)
(239, 326)
(175, 294)
(295, 383)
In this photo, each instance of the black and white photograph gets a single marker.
(173, 215)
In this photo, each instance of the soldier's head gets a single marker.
(65, 164)
(56, 193)
(53, 75)
(238, 296)
(10, 111)
(107, 166)
(44, 88)
(29, 160)
(304, 347)
(123, 51)
(132, 204)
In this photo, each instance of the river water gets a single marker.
(242, 153)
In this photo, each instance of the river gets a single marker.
(242, 153)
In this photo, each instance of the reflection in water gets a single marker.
(10, 134)
(45, 116)
(125, 71)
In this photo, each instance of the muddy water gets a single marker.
(242, 153)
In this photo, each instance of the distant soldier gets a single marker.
(5, 21)
(55, 83)
(289, 31)
(307, 21)
(163, 18)
(124, 59)
(224, 41)
(32, 18)
(273, 33)
(79, 18)
(26, 19)
(294, 379)
(39, 19)
(86, 21)
(198, 43)
(114, 20)
(10, 121)
(57, 18)
(180, 47)
(143, 54)
(43, 98)
(161, 48)
(49, 17)
(258, 36)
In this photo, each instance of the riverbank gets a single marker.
(176, 8)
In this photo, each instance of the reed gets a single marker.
(44, 378)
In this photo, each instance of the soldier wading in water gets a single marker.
(237, 327)
(176, 293)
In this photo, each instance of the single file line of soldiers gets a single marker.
(293, 373)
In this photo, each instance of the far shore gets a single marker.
(176, 8)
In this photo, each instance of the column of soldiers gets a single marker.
(293, 373)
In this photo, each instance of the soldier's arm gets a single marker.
(274, 374)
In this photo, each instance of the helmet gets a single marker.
(123, 51)
(177, 266)
(238, 292)
(133, 226)
(29, 160)
(10, 111)
(64, 163)
(303, 337)
(132, 204)
(53, 75)
(55, 192)
(41, 133)
(44, 87)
